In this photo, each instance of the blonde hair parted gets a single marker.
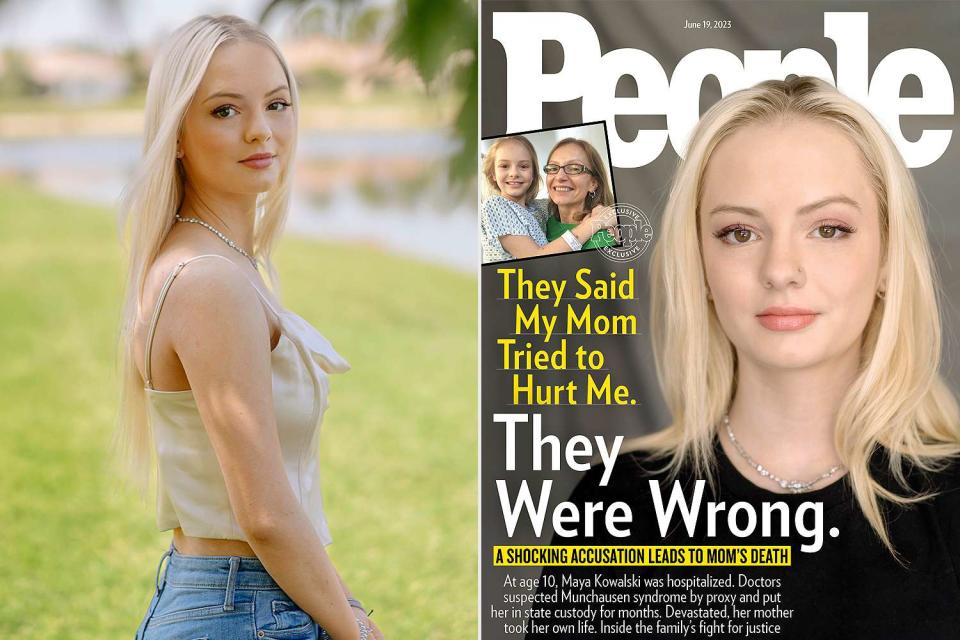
(490, 172)
(898, 400)
(155, 191)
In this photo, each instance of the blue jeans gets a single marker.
(222, 598)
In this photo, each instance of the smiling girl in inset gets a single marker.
(512, 224)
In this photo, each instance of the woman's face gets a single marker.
(567, 190)
(790, 235)
(513, 170)
(238, 129)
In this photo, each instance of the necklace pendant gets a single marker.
(795, 486)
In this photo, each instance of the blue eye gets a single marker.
(224, 111)
(284, 105)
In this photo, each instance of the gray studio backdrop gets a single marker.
(658, 29)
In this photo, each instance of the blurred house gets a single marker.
(78, 77)
(355, 68)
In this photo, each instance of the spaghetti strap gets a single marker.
(163, 294)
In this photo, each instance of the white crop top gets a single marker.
(191, 492)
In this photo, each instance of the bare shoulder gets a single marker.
(210, 311)
(211, 298)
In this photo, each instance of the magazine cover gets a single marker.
(718, 320)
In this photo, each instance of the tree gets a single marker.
(439, 37)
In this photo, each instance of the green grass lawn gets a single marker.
(78, 549)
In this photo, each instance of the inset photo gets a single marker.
(546, 192)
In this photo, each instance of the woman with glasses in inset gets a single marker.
(512, 224)
(576, 184)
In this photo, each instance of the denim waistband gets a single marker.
(217, 572)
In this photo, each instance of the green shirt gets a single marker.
(601, 238)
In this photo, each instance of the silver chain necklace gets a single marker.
(230, 243)
(794, 486)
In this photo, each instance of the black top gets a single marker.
(851, 588)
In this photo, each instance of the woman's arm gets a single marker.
(222, 340)
(359, 613)
(524, 246)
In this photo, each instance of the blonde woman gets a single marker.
(797, 335)
(224, 385)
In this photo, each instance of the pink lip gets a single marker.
(259, 160)
(786, 318)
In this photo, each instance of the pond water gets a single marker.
(384, 189)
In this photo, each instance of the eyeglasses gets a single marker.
(572, 169)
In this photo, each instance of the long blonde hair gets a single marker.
(898, 400)
(154, 194)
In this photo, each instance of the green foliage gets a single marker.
(16, 80)
(432, 34)
(464, 164)
(439, 37)
(372, 191)
(398, 449)
(137, 71)
(368, 24)
(321, 78)
(428, 33)
(328, 16)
